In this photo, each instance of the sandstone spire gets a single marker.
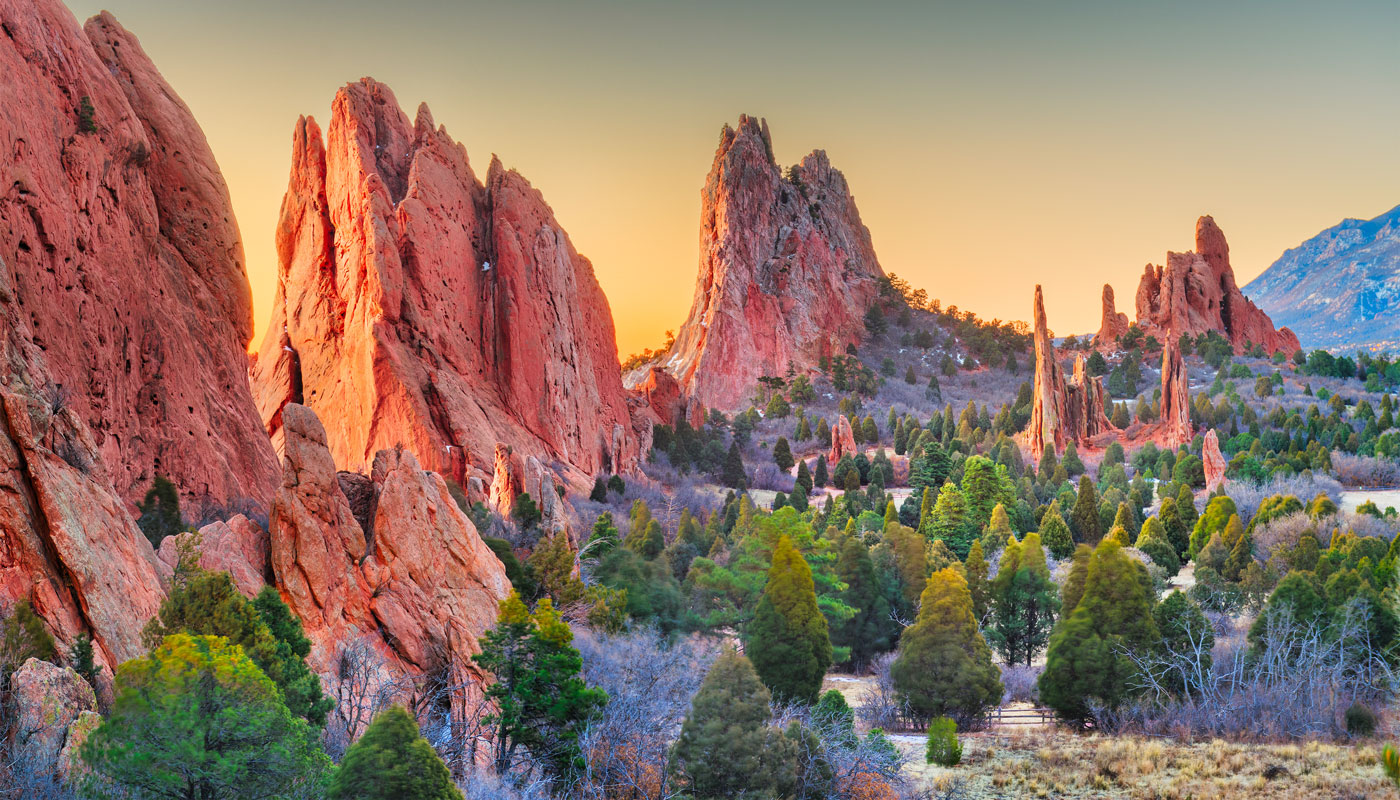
(1061, 412)
(1176, 396)
(418, 305)
(787, 270)
(1113, 322)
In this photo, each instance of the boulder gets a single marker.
(126, 260)
(238, 547)
(70, 763)
(1213, 461)
(1196, 292)
(419, 305)
(787, 270)
(843, 441)
(47, 699)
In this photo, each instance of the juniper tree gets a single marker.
(787, 640)
(944, 667)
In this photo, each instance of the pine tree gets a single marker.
(733, 474)
(80, 658)
(391, 761)
(975, 569)
(820, 478)
(1084, 519)
(787, 640)
(867, 632)
(600, 490)
(1054, 533)
(726, 748)
(782, 454)
(998, 531)
(803, 483)
(1024, 600)
(1087, 658)
(1073, 588)
(944, 667)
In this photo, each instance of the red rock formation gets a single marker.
(1213, 461)
(1114, 323)
(787, 270)
(843, 441)
(1176, 396)
(238, 547)
(47, 700)
(666, 399)
(1061, 412)
(507, 480)
(420, 306)
(418, 590)
(1196, 292)
(126, 259)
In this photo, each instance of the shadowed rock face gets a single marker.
(1061, 411)
(787, 270)
(1196, 292)
(126, 259)
(419, 306)
(1176, 396)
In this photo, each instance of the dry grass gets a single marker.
(1053, 764)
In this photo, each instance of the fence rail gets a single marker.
(1021, 716)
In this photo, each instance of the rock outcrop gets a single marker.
(787, 270)
(1213, 461)
(1113, 324)
(419, 587)
(1061, 412)
(126, 261)
(1176, 396)
(667, 399)
(238, 546)
(422, 307)
(1195, 292)
(47, 700)
(843, 441)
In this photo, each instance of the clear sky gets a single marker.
(990, 145)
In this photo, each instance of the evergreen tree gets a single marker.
(949, 521)
(944, 667)
(22, 637)
(600, 490)
(1048, 463)
(1086, 658)
(1084, 519)
(985, 486)
(196, 718)
(803, 484)
(998, 531)
(726, 749)
(733, 474)
(1178, 535)
(1024, 600)
(525, 511)
(1073, 588)
(975, 569)
(80, 658)
(1217, 515)
(601, 540)
(782, 454)
(787, 640)
(1055, 533)
(160, 511)
(391, 761)
(1153, 541)
(867, 632)
(541, 703)
(819, 476)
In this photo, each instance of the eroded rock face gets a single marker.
(787, 270)
(419, 590)
(237, 546)
(47, 700)
(843, 441)
(1176, 396)
(667, 400)
(1196, 292)
(1113, 324)
(1213, 461)
(126, 260)
(1061, 412)
(421, 306)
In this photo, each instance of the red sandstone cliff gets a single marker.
(418, 305)
(1196, 292)
(787, 270)
(126, 261)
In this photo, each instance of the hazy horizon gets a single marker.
(988, 148)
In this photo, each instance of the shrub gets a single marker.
(944, 748)
(1360, 719)
(86, 114)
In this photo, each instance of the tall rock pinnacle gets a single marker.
(787, 270)
(1061, 412)
(418, 305)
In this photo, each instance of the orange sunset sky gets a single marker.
(990, 146)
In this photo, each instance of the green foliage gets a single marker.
(1025, 602)
(1086, 657)
(1216, 517)
(525, 512)
(1084, 519)
(196, 718)
(208, 604)
(1184, 630)
(541, 702)
(788, 641)
(1055, 533)
(160, 511)
(391, 761)
(733, 474)
(520, 575)
(833, 712)
(1360, 720)
(869, 630)
(87, 122)
(944, 667)
(726, 748)
(80, 658)
(975, 569)
(943, 747)
(782, 454)
(22, 637)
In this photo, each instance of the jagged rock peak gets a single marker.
(1061, 411)
(1196, 292)
(418, 305)
(118, 230)
(787, 270)
(1113, 323)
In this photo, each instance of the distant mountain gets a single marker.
(1339, 290)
